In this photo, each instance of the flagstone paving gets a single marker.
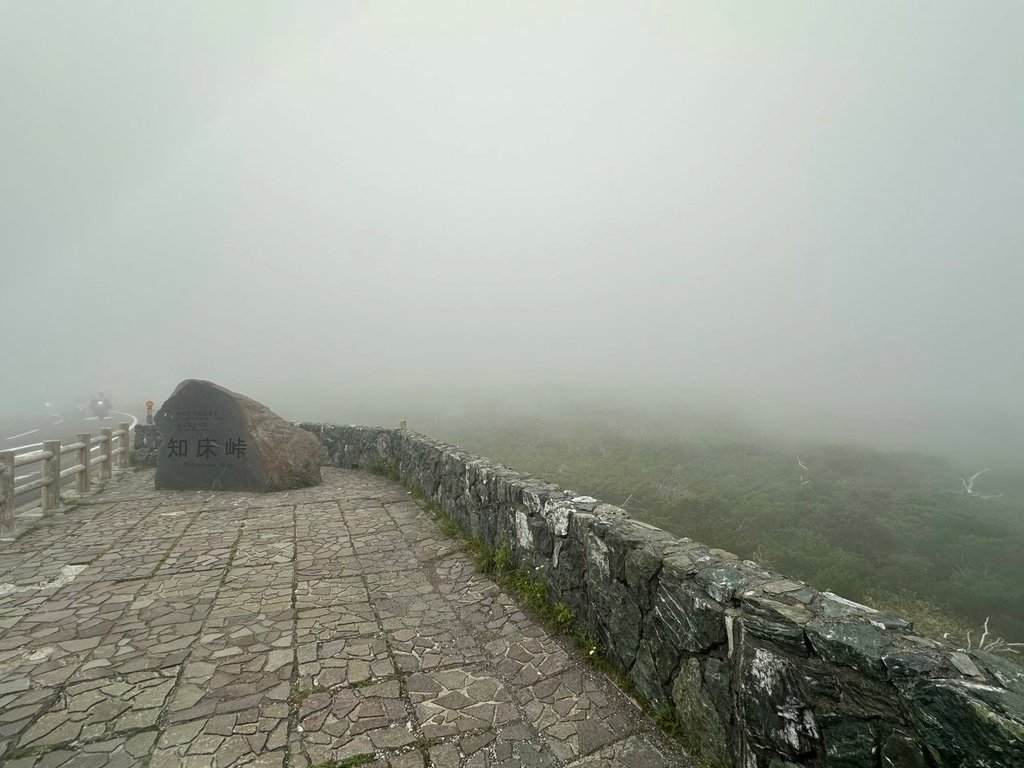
(287, 629)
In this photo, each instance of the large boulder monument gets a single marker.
(214, 439)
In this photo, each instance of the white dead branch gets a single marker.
(995, 645)
(969, 484)
(802, 466)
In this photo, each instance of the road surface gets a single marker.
(26, 432)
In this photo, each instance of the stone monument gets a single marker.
(214, 439)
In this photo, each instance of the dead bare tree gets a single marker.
(995, 645)
(802, 466)
(969, 485)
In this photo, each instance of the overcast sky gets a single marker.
(812, 210)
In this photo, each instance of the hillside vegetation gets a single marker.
(896, 530)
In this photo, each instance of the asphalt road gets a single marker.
(26, 432)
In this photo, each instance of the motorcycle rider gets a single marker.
(101, 405)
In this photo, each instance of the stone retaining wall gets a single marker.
(761, 671)
(145, 446)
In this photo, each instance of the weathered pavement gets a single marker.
(287, 629)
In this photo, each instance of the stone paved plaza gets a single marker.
(334, 625)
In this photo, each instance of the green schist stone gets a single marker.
(970, 724)
(1007, 671)
(835, 607)
(775, 621)
(900, 751)
(849, 744)
(854, 645)
(721, 583)
(911, 663)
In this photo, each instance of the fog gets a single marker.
(804, 214)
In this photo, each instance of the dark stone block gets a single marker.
(789, 638)
(850, 744)
(855, 645)
(778, 622)
(146, 445)
(892, 623)
(804, 596)
(901, 751)
(969, 724)
(641, 565)
(718, 684)
(700, 725)
(836, 607)
(777, 715)
(842, 693)
(912, 663)
(615, 617)
(215, 439)
(867, 697)
(645, 677)
(682, 618)
(721, 583)
(1008, 672)
(569, 567)
(543, 538)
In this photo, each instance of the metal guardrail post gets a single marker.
(6, 491)
(122, 459)
(105, 448)
(82, 482)
(51, 473)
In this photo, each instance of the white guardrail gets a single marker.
(52, 474)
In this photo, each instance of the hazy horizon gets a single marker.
(803, 216)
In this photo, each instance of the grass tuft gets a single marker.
(348, 762)
(665, 717)
(530, 588)
(384, 468)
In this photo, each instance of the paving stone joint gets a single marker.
(297, 628)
